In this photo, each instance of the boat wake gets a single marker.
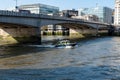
(43, 46)
(52, 46)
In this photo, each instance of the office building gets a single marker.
(117, 12)
(69, 13)
(40, 9)
(104, 13)
(88, 17)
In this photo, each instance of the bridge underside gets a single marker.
(75, 26)
(22, 27)
(79, 29)
(14, 33)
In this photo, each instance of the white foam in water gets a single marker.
(43, 46)
(51, 46)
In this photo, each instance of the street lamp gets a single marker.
(16, 7)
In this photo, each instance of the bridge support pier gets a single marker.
(111, 30)
(19, 34)
(38, 40)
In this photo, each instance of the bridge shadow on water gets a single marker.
(62, 73)
(17, 50)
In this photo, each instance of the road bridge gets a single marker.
(25, 25)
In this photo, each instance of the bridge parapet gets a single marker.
(12, 13)
(47, 17)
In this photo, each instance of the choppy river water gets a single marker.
(94, 59)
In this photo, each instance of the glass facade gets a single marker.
(104, 14)
(40, 9)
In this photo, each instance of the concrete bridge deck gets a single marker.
(21, 25)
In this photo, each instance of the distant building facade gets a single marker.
(113, 16)
(104, 13)
(88, 17)
(40, 9)
(69, 13)
(117, 12)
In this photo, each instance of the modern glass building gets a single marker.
(117, 12)
(104, 13)
(40, 9)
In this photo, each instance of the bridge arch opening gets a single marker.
(72, 30)
(68, 27)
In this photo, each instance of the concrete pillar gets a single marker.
(38, 35)
(111, 30)
(65, 31)
(97, 29)
(54, 30)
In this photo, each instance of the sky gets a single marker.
(62, 4)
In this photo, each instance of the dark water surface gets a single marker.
(95, 59)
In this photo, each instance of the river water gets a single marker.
(93, 59)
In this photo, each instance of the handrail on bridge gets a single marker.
(13, 13)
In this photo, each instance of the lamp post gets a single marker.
(16, 7)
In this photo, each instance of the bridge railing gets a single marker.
(19, 14)
(12, 13)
